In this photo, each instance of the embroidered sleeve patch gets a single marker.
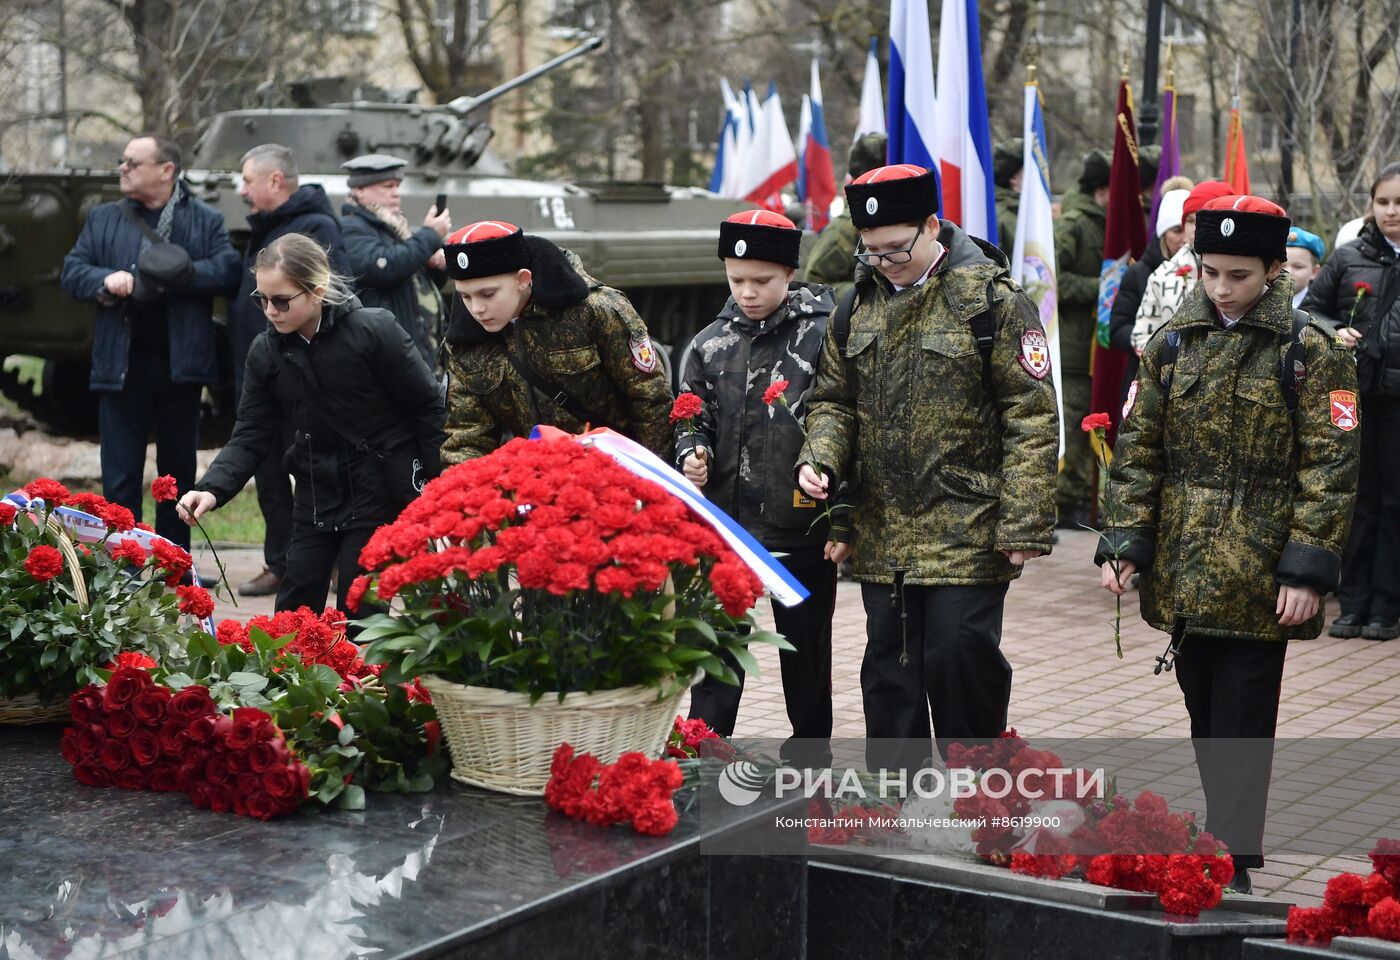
(1132, 398)
(643, 354)
(1035, 354)
(1344, 416)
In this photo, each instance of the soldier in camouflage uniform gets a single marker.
(832, 260)
(949, 455)
(1007, 160)
(1079, 239)
(1233, 506)
(740, 451)
(536, 340)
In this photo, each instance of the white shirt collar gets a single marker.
(313, 332)
(938, 252)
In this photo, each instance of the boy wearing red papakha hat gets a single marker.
(934, 403)
(753, 369)
(534, 339)
(1235, 471)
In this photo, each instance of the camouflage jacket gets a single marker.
(1079, 238)
(597, 350)
(942, 473)
(1221, 494)
(832, 258)
(753, 445)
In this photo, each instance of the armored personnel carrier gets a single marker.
(653, 241)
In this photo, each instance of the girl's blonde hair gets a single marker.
(304, 262)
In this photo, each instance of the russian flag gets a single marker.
(771, 163)
(912, 102)
(816, 175)
(965, 133)
(724, 155)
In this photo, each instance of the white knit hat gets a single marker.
(1169, 210)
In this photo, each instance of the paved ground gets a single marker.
(1069, 685)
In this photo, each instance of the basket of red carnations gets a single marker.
(548, 595)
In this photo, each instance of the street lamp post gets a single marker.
(1149, 116)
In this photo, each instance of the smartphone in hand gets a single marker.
(440, 203)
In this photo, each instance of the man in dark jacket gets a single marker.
(280, 205)
(1169, 236)
(395, 266)
(1079, 239)
(740, 451)
(154, 347)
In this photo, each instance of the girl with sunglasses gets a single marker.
(365, 412)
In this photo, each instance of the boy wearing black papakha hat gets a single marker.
(535, 340)
(1234, 477)
(740, 451)
(934, 403)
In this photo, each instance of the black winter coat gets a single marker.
(375, 386)
(1332, 295)
(384, 266)
(1125, 307)
(308, 212)
(752, 445)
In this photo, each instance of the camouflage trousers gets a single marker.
(1075, 487)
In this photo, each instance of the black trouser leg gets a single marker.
(1385, 563)
(955, 669)
(347, 562)
(124, 424)
(177, 441)
(806, 671)
(1359, 556)
(717, 702)
(274, 487)
(1232, 690)
(312, 555)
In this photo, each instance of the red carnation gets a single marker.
(232, 633)
(1362, 289)
(1345, 890)
(774, 393)
(117, 517)
(174, 560)
(8, 512)
(164, 488)
(656, 819)
(1095, 421)
(1384, 920)
(686, 407)
(44, 563)
(51, 492)
(130, 551)
(132, 658)
(1184, 270)
(195, 601)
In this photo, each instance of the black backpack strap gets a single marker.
(841, 319)
(556, 394)
(984, 331)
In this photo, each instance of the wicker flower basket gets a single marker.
(500, 741)
(26, 708)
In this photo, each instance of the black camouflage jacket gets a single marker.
(942, 473)
(752, 445)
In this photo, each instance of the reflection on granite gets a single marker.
(86, 872)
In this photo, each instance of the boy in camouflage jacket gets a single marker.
(741, 447)
(949, 456)
(1233, 499)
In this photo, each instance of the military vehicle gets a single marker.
(655, 242)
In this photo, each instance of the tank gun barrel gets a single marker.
(461, 106)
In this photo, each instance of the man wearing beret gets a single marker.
(396, 266)
(535, 340)
(934, 403)
(832, 259)
(1079, 239)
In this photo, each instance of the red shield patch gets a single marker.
(1035, 354)
(643, 354)
(1344, 416)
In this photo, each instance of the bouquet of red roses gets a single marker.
(546, 568)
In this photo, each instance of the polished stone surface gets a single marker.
(1342, 948)
(88, 872)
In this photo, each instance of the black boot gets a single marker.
(1348, 625)
(1241, 883)
(1381, 628)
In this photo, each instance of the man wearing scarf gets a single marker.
(154, 346)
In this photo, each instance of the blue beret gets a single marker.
(1298, 237)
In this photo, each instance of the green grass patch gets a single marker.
(238, 521)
